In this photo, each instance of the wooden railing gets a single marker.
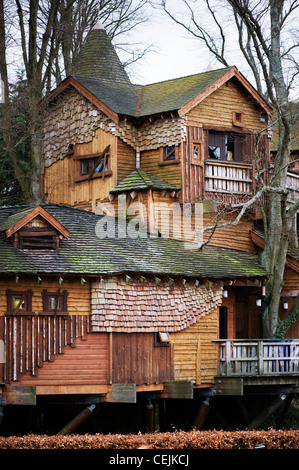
(31, 340)
(228, 182)
(258, 357)
(292, 184)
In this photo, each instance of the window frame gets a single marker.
(238, 118)
(159, 341)
(26, 296)
(97, 159)
(197, 161)
(61, 310)
(163, 155)
(224, 137)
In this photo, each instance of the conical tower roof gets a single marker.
(98, 58)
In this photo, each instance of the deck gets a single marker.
(257, 364)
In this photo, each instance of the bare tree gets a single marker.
(267, 40)
(47, 30)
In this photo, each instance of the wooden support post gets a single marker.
(285, 410)
(79, 419)
(266, 413)
(202, 413)
(149, 417)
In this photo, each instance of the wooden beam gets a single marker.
(79, 419)
(266, 413)
(19, 394)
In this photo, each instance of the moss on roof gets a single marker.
(85, 253)
(141, 179)
(138, 100)
(98, 59)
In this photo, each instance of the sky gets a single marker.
(176, 53)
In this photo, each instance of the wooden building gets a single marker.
(105, 294)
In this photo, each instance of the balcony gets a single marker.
(259, 357)
(232, 182)
(228, 182)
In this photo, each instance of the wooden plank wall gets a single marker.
(78, 299)
(217, 109)
(149, 161)
(32, 341)
(290, 291)
(126, 160)
(59, 179)
(193, 179)
(85, 363)
(137, 360)
(195, 355)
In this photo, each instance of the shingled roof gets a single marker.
(85, 253)
(98, 58)
(141, 179)
(138, 100)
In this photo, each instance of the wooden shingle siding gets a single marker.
(134, 306)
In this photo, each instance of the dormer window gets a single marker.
(34, 229)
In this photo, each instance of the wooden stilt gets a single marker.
(202, 413)
(79, 419)
(149, 417)
(285, 411)
(266, 413)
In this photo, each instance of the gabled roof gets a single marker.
(141, 179)
(84, 253)
(17, 220)
(180, 94)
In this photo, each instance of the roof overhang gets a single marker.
(71, 81)
(259, 241)
(233, 72)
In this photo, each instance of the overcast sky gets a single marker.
(176, 53)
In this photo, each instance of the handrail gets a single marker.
(258, 357)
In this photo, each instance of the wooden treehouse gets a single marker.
(105, 296)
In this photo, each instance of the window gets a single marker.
(19, 302)
(196, 156)
(54, 303)
(162, 339)
(38, 238)
(238, 119)
(94, 166)
(169, 154)
(225, 146)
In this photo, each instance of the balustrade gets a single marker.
(258, 357)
